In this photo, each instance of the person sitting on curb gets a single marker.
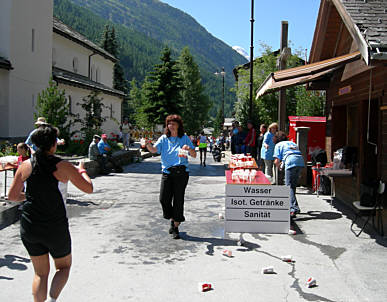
(288, 156)
(105, 150)
(95, 155)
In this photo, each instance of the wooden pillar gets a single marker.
(282, 65)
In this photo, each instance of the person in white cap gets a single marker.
(41, 121)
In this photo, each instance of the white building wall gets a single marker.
(106, 70)
(30, 54)
(4, 106)
(5, 25)
(111, 125)
(66, 50)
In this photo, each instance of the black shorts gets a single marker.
(40, 240)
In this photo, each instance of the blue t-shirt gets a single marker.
(288, 151)
(268, 153)
(28, 141)
(101, 147)
(169, 148)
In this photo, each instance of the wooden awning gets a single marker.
(304, 74)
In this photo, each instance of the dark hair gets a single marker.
(44, 138)
(281, 136)
(263, 126)
(202, 133)
(174, 118)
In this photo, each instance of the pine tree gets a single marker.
(162, 89)
(196, 104)
(52, 105)
(110, 44)
(105, 38)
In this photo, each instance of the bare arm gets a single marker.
(15, 192)
(277, 162)
(151, 148)
(67, 172)
(192, 152)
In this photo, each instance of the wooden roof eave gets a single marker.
(353, 30)
(320, 30)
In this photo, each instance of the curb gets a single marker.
(9, 213)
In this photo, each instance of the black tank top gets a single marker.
(44, 203)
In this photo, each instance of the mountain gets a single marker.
(156, 22)
(242, 52)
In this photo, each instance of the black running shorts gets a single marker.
(40, 240)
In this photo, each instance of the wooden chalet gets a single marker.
(348, 60)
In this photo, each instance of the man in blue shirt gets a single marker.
(105, 149)
(288, 156)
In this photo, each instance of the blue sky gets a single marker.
(229, 20)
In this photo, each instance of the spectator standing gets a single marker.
(203, 148)
(211, 140)
(41, 121)
(175, 170)
(125, 130)
(288, 156)
(260, 162)
(43, 224)
(234, 136)
(267, 149)
(250, 140)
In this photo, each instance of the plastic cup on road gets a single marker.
(311, 282)
(227, 253)
(292, 232)
(204, 286)
(287, 258)
(268, 270)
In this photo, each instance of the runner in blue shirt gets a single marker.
(288, 156)
(174, 166)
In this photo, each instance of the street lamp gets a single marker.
(222, 73)
(251, 61)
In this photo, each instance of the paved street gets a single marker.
(122, 250)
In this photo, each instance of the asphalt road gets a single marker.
(122, 250)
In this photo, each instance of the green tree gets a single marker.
(52, 105)
(265, 108)
(91, 123)
(196, 104)
(162, 90)
(135, 105)
(218, 123)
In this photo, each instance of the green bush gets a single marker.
(7, 149)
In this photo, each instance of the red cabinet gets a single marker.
(316, 134)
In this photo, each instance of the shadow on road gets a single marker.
(149, 167)
(13, 262)
(80, 203)
(311, 215)
(218, 242)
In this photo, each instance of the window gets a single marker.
(92, 71)
(69, 102)
(75, 64)
(98, 75)
(53, 57)
(33, 40)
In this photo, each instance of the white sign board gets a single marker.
(257, 209)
